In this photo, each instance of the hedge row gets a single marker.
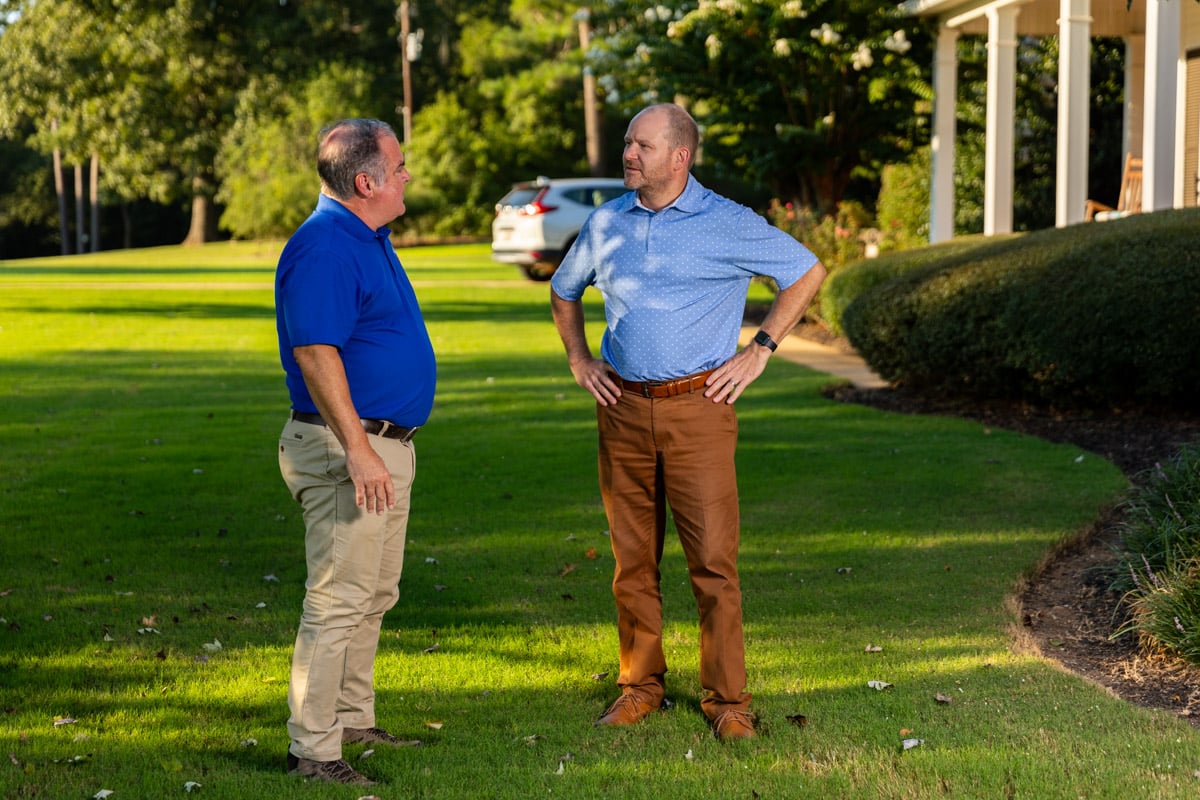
(1093, 315)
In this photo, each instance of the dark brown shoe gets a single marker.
(734, 724)
(626, 710)
(329, 771)
(375, 736)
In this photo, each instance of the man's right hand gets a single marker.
(374, 489)
(595, 375)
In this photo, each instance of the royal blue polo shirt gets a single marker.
(340, 283)
(674, 281)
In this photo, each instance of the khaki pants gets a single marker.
(354, 562)
(676, 451)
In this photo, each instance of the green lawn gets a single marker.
(144, 522)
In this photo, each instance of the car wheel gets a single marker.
(541, 271)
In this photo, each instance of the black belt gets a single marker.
(376, 427)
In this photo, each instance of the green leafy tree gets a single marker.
(803, 97)
(266, 164)
(517, 113)
(152, 86)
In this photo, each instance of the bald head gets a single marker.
(678, 127)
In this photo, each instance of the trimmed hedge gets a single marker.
(1093, 315)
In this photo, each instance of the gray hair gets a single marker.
(349, 147)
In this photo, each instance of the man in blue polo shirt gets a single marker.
(361, 373)
(673, 261)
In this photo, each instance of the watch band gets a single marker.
(763, 338)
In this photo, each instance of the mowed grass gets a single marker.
(153, 570)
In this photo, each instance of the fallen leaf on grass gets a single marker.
(599, 676)
(844, 570)
(532, 739)
(797, 719)
(591, 553)
(879, 686)
(270, 578)
(13, 758)
(941, 698)
(437, 726)
(191, 786)
(567, 570)
(150, 621)
(873, 648)
(562, 767)
(103, 793)
(60, 721)
(366, 754)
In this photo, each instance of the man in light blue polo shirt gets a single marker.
(673, 262)
(360, 372)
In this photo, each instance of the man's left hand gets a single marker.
(729, 380)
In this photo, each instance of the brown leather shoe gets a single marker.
(626, 710)
(734, 724)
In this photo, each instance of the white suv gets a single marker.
(537, 222)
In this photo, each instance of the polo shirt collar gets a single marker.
(688, 202)
(348, 220)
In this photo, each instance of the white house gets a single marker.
(1162, 90)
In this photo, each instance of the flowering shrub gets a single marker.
(837, 239)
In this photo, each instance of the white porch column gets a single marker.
(1074, 89)
(1001, 92)
(1158, 139)
(945, 102)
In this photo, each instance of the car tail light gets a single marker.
(536, 207)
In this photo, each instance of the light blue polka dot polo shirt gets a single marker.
(674, 282)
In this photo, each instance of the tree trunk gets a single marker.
(94, 194)
(204, 215)
(64, 234)
(80, 199)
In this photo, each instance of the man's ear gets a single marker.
(362, 184)
(682, 156)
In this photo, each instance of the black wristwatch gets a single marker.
(765, 340)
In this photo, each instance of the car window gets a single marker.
(594, 196)
(519, 197)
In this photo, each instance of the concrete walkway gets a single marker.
(823, 358)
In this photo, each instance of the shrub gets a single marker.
(903, 203)
(1159, 566)
(842, 287)
(836, 239)
(1095, 315)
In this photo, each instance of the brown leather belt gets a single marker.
(660, 389)
(376, 427)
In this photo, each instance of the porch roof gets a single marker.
(1036, 17)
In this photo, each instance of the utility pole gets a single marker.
(591, 111)
(406, 71)
(410, 51)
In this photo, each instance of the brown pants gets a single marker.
(676, 451)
